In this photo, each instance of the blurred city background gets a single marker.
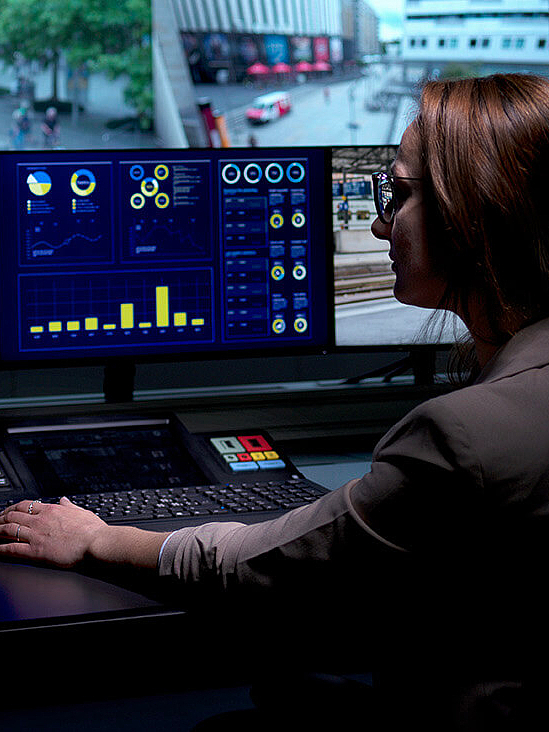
(226, 73)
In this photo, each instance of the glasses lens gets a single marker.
(385, 199)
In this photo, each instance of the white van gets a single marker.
(268, 107)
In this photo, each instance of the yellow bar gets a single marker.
(162, 307)
(55, 326)
(37, 329)
(109, 326)
(73, 325)
(126, 314)
(91, 323)
(180, 318)
(197, 321)
(145, 325)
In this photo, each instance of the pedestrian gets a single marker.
(50, 128)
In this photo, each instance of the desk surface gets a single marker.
(31, 596)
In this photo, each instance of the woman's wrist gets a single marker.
(126, 545)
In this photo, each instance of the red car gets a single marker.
(268, 107)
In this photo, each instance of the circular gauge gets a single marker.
(136, 172)
(39, 183)
(162, 200)
(253, 173)
(295, 172)
(231, 173)
(300, 325)
(83, 182)
(277, 272)
(298, 219)
(149, 186)
(137, 200)
(274, 173)
(300, 272)
(276, 220)
(279, 326)
(161, 172)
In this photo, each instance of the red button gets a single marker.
(244, 457)
(253, 443)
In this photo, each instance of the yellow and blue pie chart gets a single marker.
(83, 182)
(39, 183)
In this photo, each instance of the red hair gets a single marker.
(485, 151)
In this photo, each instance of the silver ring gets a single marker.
(17, 532)
(32, 504)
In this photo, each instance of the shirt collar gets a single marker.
(527, 349)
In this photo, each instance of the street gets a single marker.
(105, 103)
(340, 118)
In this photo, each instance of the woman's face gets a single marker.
(417, 282)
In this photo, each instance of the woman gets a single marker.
(447, 536)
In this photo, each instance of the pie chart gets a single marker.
(39, 183)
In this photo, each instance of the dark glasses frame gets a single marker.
(381, 181)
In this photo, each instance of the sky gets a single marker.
(390, 14)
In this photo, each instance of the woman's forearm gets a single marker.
(126, 545)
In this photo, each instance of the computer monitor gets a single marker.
(165, 254)
(367, 315)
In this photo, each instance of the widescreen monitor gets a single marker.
(148, 255)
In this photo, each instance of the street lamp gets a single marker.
(353, 125)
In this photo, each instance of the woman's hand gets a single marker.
(60, 534)
(64, 534)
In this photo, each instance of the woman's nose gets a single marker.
(380, 229)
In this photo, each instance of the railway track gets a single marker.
(362, 286)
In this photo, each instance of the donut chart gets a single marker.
(83, 182)
(149, 187)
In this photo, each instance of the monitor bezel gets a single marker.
(288, 350)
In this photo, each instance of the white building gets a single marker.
(485, 32)
(289, 17)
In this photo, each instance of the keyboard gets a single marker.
(209, 502)
(151, 471)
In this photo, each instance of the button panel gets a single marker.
(247, 452)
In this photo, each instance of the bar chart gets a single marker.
(123, 308)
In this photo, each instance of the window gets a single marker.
(542, 43)
(472, 42)
(441, 42)
(506, 43)
(485, 42)
(519, 43)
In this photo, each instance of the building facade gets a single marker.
(228, 36)
(509, 33)
(360, 28)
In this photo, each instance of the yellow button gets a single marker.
(258, 455)
(271, 455)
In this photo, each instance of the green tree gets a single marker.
(104, 35)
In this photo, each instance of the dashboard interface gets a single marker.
(151, 253)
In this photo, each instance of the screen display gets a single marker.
(367, 314)
(151, 253)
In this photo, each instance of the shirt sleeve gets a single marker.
(391, 510)
(314, 541)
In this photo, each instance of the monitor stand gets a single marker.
(118, 381)
(420, 362)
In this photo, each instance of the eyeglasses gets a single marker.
(384, 194)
